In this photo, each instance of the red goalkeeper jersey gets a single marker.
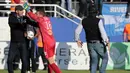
(45, 27)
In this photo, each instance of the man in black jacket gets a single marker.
(17, 22)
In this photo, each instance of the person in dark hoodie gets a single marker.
(17, 22)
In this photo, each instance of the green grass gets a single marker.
(73, 71)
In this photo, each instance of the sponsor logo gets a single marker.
(64, 56)
(118, 9)
(117, 58)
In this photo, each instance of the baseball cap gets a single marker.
(19, 7)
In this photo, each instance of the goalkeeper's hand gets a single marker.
(26, 6)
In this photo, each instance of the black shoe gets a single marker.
(127, 16)
(45, 67)
(80, 15)
(15, 66)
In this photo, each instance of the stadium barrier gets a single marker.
(56, 11)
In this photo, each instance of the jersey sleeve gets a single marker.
(33, 16)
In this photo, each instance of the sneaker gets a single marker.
(99, 16)
(127, 15)
(28, 72)
(45, 67)
(70, 16)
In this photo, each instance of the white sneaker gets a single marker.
(28, 71)
(100, 16)
(97, 16)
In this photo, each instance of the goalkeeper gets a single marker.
(46, 32)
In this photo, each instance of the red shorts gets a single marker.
(49, 50)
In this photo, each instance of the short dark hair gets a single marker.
(19, 7)
(42, 11)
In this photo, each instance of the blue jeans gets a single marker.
(68, 6)
(96, 51)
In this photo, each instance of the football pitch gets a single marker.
(74, 71)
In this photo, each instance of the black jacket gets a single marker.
(18, 28)
(91, 28)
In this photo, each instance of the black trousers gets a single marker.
(42, 54)
(21, 48)
(83, 8)
(50, 8)
(30, 1)
(50, 1)
(16, 61)
(36, 2)
(32, 54)
(84, 5)
(128, 7)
